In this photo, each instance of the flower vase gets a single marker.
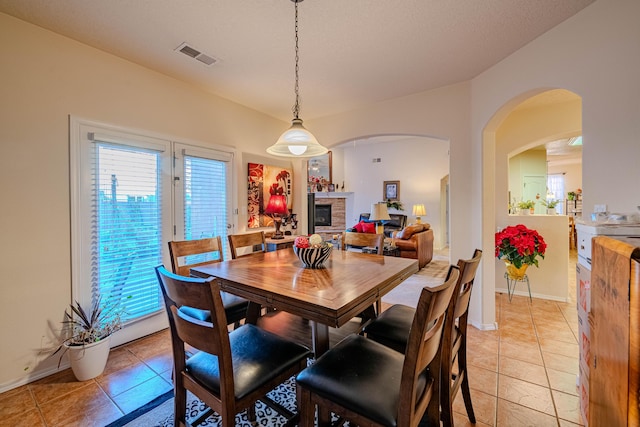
(516, 273)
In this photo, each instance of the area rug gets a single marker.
(159, 412)
(408, 292)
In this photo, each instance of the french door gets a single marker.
(131, 194)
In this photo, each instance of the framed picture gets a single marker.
(332, 188)
(391, 190)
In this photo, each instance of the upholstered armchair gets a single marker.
(415, 241)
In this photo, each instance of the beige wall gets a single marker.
(45, 78)
(595, 55)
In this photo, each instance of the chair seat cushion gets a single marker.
(392, 327)
(360, 374)
(258, 357)
(235, 308)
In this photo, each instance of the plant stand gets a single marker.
(511, 285)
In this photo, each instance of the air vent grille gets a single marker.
(196, 54)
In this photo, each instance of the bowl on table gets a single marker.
(313, 257)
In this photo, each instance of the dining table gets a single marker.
(348, 284)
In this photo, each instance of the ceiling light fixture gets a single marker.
(297, 141)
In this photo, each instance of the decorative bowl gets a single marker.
(313, 257)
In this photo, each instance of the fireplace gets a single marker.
(322, 215)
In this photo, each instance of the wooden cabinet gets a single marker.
(615, 332)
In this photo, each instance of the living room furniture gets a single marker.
(614, 371)
(277, 244)
(368, 383)
(393, 326)
(415, 241)
(330, 296)
(396, 223)
(191, 253)
(231, 370)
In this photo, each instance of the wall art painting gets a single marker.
(264, 180)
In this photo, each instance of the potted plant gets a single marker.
(86, 337)
(519, 247)
(571, 195)
(526, 207)
(550, 205)
(397, 205)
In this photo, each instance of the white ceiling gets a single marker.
(352, 52)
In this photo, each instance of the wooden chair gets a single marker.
(362, 240)
(230, 370)
(365, 240)
(251, 240)
(370, 384)
(392, 328)
(192, 253)
(573, 238)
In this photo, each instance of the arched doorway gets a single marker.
(528, 120)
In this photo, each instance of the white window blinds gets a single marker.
(205, 198)
(126, 227)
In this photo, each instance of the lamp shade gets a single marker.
(277, 205)
(419, 210)
(379, 212)
(297, 141)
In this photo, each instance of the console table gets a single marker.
(276, 244)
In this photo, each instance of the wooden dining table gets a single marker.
(348, 285)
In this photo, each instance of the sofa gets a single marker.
(396, 223)
(415, 241)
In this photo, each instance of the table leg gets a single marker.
(320, 338)
(253, 312)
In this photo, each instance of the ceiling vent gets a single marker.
(196, 54)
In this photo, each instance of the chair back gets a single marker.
(251, 240)
(186, 254)
(211, 337)
(454, 343)
(420, 383)
(468, 270)
(362, 239)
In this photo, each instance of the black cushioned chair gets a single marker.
(186, 254)
(392, 328)
(370, 384)
(230, 370)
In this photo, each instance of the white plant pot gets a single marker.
(88, 361)
(551, 211)
(524, 211)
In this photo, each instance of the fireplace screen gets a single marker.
(323, 215)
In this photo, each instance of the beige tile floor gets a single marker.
(523, 374)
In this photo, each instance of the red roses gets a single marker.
(520, 245)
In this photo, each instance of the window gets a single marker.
(555, 185)
(203, 194)
(123, 188)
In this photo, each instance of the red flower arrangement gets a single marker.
(520, 245)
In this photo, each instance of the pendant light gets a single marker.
(297, 141)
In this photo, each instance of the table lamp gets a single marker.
(379, 213)
(418, 211)
(277, 208)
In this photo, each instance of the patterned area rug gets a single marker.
(159, 412)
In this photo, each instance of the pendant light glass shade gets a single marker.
(297, 141)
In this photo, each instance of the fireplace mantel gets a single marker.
(341, 205)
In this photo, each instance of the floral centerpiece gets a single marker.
(312, 250)
(519, 247)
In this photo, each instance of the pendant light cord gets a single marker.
(296, 106)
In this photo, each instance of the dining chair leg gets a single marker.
(306, 410)
(464, 386)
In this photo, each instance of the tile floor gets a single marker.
(523, 374)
